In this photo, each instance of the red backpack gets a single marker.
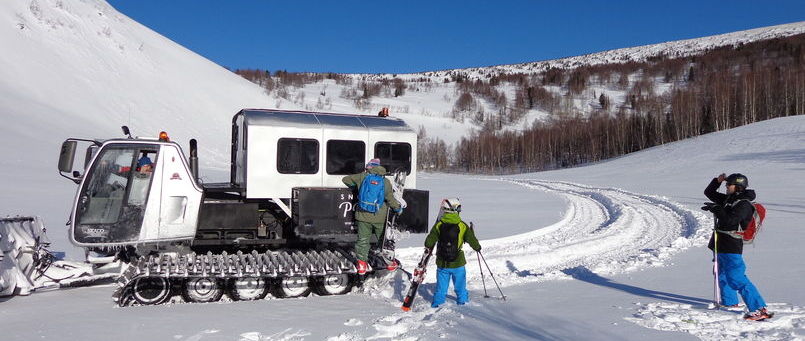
(748, 235)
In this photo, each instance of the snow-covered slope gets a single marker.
(91, 69)
(671, 49)
(576, 251)
(81, 69)
(430, 97)
(615, 250)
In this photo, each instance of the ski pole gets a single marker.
(483, 281)
(716, 288)
(477, 255)
(493, 275)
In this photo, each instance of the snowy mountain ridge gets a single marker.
(671, 49)
(613, 250)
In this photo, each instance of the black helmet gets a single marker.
(738, 179)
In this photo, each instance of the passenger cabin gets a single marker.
(276, 150)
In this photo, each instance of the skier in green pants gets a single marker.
(371, 213)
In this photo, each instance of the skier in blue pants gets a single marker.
(451, 233)
(443, 277)
(732, 280)
(734, 210)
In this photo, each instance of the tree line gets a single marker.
(721, 89)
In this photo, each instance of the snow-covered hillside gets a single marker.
(612, 251)
(430, 99)
(615, 250)
(81, 69)
(671, 49)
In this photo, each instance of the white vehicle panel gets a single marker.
(180, 197)
(263, 178)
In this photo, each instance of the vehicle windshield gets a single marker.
(113, 197)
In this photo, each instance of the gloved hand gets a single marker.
(708, 206)
(398, 210)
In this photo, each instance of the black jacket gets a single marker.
(733, 211)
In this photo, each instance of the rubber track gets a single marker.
(272, 264)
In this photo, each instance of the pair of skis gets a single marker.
(417, 279)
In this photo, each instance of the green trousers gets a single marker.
(365, 232)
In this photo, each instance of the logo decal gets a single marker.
(176, 176)
(95, 232)
(346, 206)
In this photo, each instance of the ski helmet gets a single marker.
(738, 179)
(451, 205)
(373, 163)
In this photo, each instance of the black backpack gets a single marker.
(447, 249)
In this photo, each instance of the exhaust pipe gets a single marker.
(194, 159)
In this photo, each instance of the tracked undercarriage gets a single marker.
(251, 276)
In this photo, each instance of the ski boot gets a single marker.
(758, 315)
(362, 267)
(393, 265)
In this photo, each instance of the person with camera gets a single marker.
(732, 211)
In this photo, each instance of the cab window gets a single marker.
(394, 156)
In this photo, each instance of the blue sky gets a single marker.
(413, 36)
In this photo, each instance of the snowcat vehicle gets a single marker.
(284, 223)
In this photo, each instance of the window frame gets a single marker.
(408, 166)
(361, 160)
(299, 140)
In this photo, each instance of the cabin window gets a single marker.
(345, 157)
(297, 156)
(394, 156)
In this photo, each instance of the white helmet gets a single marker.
(451, 205)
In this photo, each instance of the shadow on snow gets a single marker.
(583, 274)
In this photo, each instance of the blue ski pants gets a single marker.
(732, 280)
(443, 277)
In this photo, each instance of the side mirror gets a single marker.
(67, 155)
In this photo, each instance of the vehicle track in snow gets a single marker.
(603, 230)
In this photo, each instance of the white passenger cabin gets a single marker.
(276, 150)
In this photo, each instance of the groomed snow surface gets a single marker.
(611, 251)
(618, 255)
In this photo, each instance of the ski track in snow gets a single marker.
(710, 324)
(285, 335)
(603, 231)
